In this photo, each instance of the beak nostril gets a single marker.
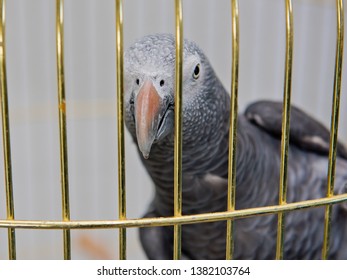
(162, 82)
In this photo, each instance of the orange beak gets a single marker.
(148, 110)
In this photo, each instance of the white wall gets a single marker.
(91, 102)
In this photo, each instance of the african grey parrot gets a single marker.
(149, 106)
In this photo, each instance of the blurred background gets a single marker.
(91, 101)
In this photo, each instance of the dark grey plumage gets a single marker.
(149, 89)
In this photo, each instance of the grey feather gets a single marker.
(305, 132)
(205, 162)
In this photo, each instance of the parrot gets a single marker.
(149, 106)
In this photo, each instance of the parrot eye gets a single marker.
(137, 81)
(196, 71)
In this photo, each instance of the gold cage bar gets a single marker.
(233, 126)
(120, 125)
(178, 219)
(170, 221)
(334, 123)
(178, 130)
(285, 127)
(62, 125)
(6, 133)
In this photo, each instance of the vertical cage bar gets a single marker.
(62, 125)
(334, 123)
(6, 134)
(285, 127)
(120, 125)
(178, 129)
(233, 126)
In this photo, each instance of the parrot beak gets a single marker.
(148, 113)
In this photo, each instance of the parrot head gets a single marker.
(149, 75)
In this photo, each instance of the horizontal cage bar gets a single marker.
(169, 221)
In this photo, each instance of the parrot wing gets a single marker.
(305, 132)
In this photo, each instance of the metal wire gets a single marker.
(120, 125)
(285, 127)
(178, 219)
(6, 133)
(233, 126)
(169, 221)
(62, 125)
(334, 123)
(178, 130)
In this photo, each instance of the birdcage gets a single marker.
(67, 225)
